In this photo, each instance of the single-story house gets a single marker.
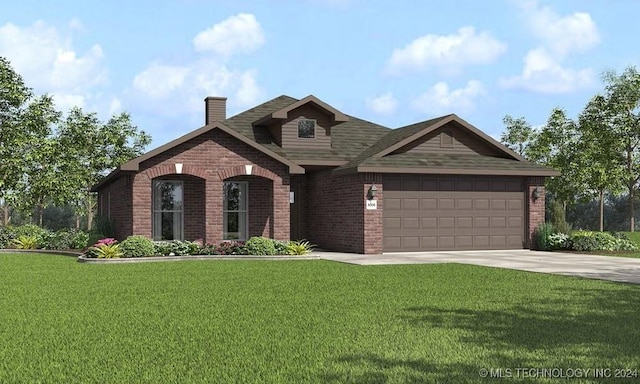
(301, 169)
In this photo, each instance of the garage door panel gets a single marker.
(464, 222)
(429, 223)
(446, 222)
(410, 222)
(448, 213)
(429, 204)
(392, 222)
(446, 204)
(429, 243)
(464, 242)
(411, 204)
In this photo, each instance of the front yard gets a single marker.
(303, 322)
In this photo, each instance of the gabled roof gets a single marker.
(134, 164)
(380, 158)
(283, 113)
(356, 145)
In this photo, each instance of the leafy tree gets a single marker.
(622, 95)
(600, 158)
(556, 146)
(518, 135)
(14, 95)
(92, 149)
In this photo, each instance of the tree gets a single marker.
(622, 94)
(14, 95)
(91, 150)
(518, 135)
(556, 146)
(599, 157)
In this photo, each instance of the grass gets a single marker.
(302, 322)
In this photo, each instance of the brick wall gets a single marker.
(207, 161)
(116, 205)
(535, 207)
(336, 214)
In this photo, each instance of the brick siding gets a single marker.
(207, 160)
(535, 207)
(336, 214)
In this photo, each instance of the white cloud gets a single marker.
(48, 62)
(576, 32)
(159, 81)
(465, 47)
(237, 34)
(544, 74)
(170, 90)
(383, 105)
(544, 69)
(441, 99)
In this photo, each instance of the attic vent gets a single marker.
(446, 139)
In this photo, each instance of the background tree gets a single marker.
(14, 97)
(518, 135)
(599, 158)
(91, 150)
(622, 94)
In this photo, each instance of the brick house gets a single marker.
(301, 169)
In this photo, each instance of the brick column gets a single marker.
(535, 206)
(141, 207)
(373, 218)
(213, 206)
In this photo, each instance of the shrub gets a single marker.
(137, 246)
(111, 251)
(65, 239)
(91, 251)
(104, 225)
(559, 241)
(541, 236)
(176, 248)
(259, 245)
(7, 235)
(26, 242)
(231, 248)
(586, 241)
(299, 247)
(281, 247)
(40, 234)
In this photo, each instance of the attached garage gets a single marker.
(438, 212)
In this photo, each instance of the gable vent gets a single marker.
(446, 139)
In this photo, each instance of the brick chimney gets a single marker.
(215, 109)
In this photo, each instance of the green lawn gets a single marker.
(303, 322)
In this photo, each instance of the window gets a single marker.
(306, 129)
(235, 210)
(168, 210)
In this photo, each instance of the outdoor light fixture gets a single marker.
(536, 193)
(373, 190)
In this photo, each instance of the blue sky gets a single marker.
(393, 63)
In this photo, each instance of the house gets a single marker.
(301, 169)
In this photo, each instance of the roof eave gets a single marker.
(458, 171)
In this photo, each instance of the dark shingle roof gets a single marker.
(348, 139)
(435, 161)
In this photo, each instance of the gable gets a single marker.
(289, 128)
(450, 138)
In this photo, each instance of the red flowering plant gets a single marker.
(107, 248)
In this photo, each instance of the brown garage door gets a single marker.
(429, 213)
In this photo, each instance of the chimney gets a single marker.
(215, 109)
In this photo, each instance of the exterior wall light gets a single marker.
(373, 191)
(536, 193)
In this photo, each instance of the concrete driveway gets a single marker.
(619, 269)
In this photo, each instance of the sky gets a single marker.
(390, 62)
